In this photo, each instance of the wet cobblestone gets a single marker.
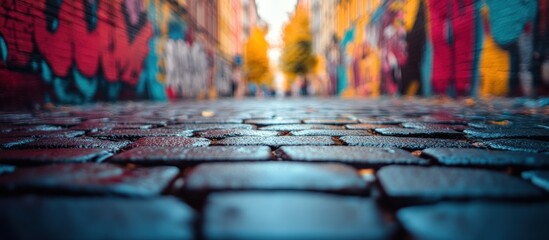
(277, 168)
(402, 142)
(468, 220)
(363, 157)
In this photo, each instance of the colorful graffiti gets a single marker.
(186, 68)
(75, 45)
(78, 51)
(223, 80)
(448, 47)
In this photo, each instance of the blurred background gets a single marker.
(82, 51)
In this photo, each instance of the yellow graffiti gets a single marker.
(494, 66)
(494, 69)
(373, 77)
(409, 10)
(413, 88)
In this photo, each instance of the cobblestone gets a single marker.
(10, 142)
(78, 142)
(434, 126)
(416, 132)
(508, 133)
(90, 178)
(364, 126)
(520, 144)
(274, 176)
(102, 126)
(481, 157)
(363, 157)
(278, 141)
(170, 142)
(330, 121)
(206, 126)
(386, 168)
(212, 120)
(139, 133)
(296, 127)
(261, 215)
(411, 183)
(38, 134)
(539, 177)
(402, 142)
(267, 122)
(469, 221)
(49, 156)
(328, 132)
(223, 133)
(379, 121)
(19, 128)
(95, 218)
(186, 156)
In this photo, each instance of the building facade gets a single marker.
(250, 17)
(431, 47)
(230, 28)
(124, 50)
(323, 24)
(230, 42)
(204, 16)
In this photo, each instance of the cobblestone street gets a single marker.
(307, 168)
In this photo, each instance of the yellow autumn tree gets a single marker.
(297, 57)
(256, 61)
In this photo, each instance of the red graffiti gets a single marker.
(105, 48)
(120, 58)
(16, 29)
(55, 47)
(452, 35)
(393, 55)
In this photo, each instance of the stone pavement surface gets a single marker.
(277, 168)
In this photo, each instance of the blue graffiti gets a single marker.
(176, 29)
(3, 49)
(47, 75)
(509, 17)
(148, 85)
(343, 77)
(86, 86)
(426, 69)
(60, 87)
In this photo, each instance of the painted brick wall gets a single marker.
(71, 50)
(456, 47)
(79, 51)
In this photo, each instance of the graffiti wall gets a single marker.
(183, 64)
(78, 51)
(449, 47)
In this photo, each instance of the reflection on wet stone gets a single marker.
(315, 168)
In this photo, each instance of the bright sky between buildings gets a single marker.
(275, 14)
